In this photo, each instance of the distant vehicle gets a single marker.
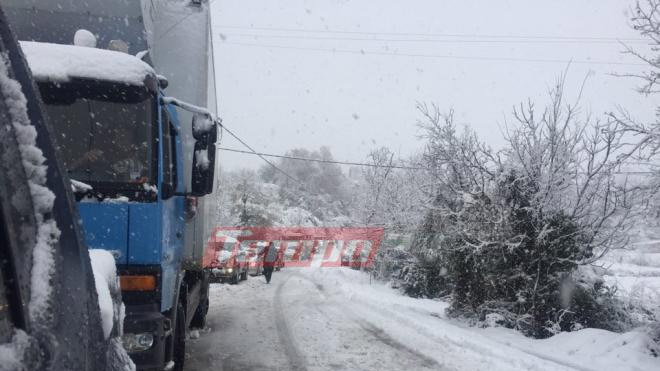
(229, 266)
(64, 332)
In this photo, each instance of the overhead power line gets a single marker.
(350, 163)
(321, 160)
(463, 35)
(445, 40)
(436, 56)
(252, 151)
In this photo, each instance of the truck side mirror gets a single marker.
(204, 163)
(203, 128)
(163, 83)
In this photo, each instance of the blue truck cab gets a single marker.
(121, 144)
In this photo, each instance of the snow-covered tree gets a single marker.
(244, 201)
(389, 196)
(645, 136)
(510, 228)
(319, 197)
(321, 188)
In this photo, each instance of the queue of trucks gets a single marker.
(128, 88)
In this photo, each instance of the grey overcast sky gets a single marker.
(302, 73)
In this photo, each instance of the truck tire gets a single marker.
(199, 318)
(235, 278)
(244, 275)
(179, 354)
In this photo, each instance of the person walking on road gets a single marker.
(270, 259)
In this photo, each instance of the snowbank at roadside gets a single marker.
(635, 272)
(589, 348)
(105, 280)
(423, 324)
(111, 308)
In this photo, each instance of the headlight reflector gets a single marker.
(137, 283)
(137, 342)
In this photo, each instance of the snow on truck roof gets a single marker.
(62, 63)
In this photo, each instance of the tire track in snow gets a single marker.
(296, 360)
(376, 332)
(556, 360)
(402, 319)
(386, 339)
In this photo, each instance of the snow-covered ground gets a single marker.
(338, 319)
(636, 272)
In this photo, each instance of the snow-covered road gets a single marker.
(336, 319)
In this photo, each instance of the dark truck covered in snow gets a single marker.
(51, 317)
(140, 166)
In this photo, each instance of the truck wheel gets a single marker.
(235, 278)
(179, 338)
(199, 318)
(244, 276)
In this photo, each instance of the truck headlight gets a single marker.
(230, 270)
(137, 342)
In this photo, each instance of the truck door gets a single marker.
(173, 208)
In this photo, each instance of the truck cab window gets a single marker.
(104, 141)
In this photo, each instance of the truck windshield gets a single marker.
(104, 138)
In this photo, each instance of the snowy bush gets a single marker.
(653, 330)
(593, 306)
(389, 261)
(423, 282)
(591, 303)
(395, 264)
(505, 231)
(494, 320)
